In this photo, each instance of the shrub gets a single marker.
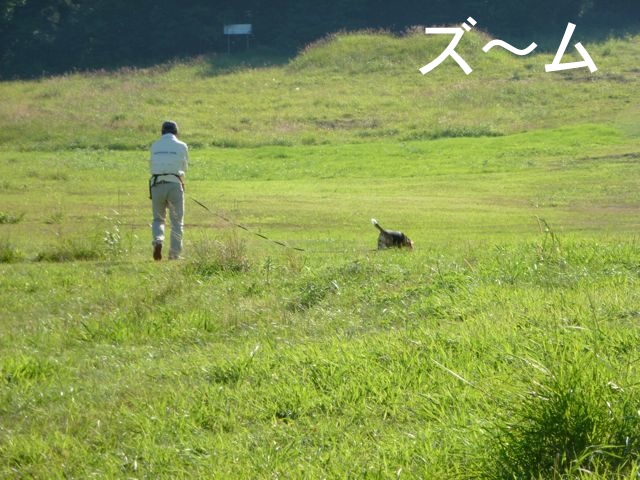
(574, 421)
(71, 250)
(9, 253)
(114, 242)
(8, 218)
(211, 257)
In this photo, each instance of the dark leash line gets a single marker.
(264, 237)
(277, 242)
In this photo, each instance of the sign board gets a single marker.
(238, 29)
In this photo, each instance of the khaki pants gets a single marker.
(169, 195)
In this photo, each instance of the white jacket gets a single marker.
(169, 156)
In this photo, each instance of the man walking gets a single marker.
(168, 163)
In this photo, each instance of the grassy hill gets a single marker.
(504, 346)
(353, 88)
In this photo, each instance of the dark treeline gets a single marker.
(53, 36)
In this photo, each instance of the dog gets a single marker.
(391, 238)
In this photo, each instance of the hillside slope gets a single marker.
(349, 88)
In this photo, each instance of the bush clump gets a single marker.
(574, 421)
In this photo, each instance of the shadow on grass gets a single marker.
(226, 63)
(588, 31)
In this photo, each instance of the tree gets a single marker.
(53, 36)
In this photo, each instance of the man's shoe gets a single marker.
(157, 251)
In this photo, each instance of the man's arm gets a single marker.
(185, 160)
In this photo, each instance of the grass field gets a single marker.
(504, 346)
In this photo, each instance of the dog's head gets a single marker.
(408, 242)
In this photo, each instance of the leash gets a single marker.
(264, 237)
(231, 222)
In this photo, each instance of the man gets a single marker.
(168, 163)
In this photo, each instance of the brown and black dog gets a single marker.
(391, 238)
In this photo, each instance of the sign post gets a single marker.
(237, 29)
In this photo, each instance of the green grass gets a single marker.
(504, 346)
(356, 88)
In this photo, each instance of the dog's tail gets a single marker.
(377, 225)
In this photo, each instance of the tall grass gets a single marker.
(9, 252)
(8, 218)
(581, 418)
(210, 257)
(346, 367)
(376, 92)
(504, 346)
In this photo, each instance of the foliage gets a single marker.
(167, 370)
(9, 252)
(9, 218)
(575, 419)
(53, 36)
(504, 345)
(377, 93)
(69, 250)
(209, 258)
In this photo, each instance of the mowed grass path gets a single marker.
(581, 179)
(504, 346)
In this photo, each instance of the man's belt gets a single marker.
(153, 181)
